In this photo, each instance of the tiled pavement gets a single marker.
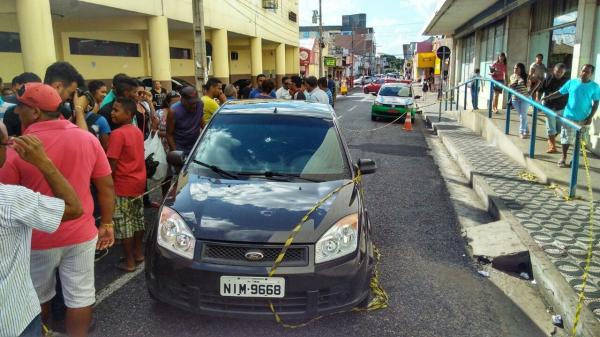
(559, 227)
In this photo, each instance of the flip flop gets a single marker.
(122, 259)
(123, 267)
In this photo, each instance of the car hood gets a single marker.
(260, 211)
(395, 100)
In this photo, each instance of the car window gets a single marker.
(395, 91)
(254, 144)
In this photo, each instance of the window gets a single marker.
(235, 55)
(252, 145)
(180, 53)
(292, 16)
(561, 47)
(395, 91)
(79, 46)
(492, 44)
(10, 42)
(468, 56)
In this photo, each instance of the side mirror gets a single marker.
(176, 159)
(367, 166)
(417, 97)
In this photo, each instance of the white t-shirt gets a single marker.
(283, 93)
(317, 96)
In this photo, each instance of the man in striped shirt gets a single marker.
(22, 210)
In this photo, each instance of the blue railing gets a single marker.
(536, 108)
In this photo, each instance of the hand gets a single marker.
(106, 237)
(31, 150)
(80, 101)
(147, 96)
(222, 98)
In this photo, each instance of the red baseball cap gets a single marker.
(39, 95)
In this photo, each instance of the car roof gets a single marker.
(278, 106)
(396, 84)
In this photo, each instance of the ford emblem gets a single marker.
(254, 255)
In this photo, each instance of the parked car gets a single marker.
(373, 87)
(362, 80)
(176, 83)
(256, 170)
(393, 100)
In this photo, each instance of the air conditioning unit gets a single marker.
(270, 4)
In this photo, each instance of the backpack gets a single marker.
(91, 124)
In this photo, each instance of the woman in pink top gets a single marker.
(498, 70)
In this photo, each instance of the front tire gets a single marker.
(373, 118)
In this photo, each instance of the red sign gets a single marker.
(305, 55)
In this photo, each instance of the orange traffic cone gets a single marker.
(407, 122)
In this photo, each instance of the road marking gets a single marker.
(117, 284)
(352, 108)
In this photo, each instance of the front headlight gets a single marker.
(174, 235)
(377, 103)
(340, 240)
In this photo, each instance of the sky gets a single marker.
(395, 22)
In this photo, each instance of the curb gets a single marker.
(552, 285)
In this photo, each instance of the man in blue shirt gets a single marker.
(257, 90)
(331, 87)
(582, 104)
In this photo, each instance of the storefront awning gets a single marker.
(425, 60)
(452, 14)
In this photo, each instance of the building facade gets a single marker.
(566, 31)
(102, 38)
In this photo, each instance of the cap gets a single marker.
(189, 95)
(39, 95)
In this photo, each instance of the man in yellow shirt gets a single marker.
(212, 92)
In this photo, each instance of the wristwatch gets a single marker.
(108, 225)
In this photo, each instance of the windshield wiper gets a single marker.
(271, 174)
(216, 169)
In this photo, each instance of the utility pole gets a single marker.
(320, 41)
(199, 43)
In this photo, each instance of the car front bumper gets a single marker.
(390, 112)
(310, 290)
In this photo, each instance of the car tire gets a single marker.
(373, 118)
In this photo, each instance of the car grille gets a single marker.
(232, 254)
(291, 303)
(395, 106)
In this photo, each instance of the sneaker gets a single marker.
(562, 164)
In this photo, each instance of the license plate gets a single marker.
(242, 286)
(393, 111)
(393, 105)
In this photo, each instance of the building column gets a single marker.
(160, 58)
(256, 58)
(279, 64)
(220, 58)
(37, 37)
(289, 60)
(296, 61)
(582, 51)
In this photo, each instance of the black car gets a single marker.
(256, 170)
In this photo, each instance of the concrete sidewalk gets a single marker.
(554, 231)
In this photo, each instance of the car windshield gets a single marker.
(395, 91)
(269, 146)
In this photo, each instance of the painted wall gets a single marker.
(269, 61)
(11, 64)
(539, 43)
(179, 67)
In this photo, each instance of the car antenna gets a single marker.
(275, 111)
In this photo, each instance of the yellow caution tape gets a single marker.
(378, 128)
(588, 258)
(380, 297)
(527, 176)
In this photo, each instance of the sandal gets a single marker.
(122, 259)
(563, 164)
(123, 267)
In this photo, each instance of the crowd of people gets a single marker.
(574, 99)
(74, 178)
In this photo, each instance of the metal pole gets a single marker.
(465, 100)
(446, 102)
(457, 97)
(491, 99)
(320, 41)
(575, 165)
(440, 112)
(199, 43)
(507, 126)
(533, 131)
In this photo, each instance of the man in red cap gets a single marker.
(79, 156)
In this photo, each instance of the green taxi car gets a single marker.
(393, 100)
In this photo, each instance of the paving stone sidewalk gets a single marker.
(559, 227)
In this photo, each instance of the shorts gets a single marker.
(567, 135)
(128, 216)
(75, 264)
(497, 89)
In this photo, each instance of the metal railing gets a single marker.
(536, 108)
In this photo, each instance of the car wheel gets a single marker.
(373, 118)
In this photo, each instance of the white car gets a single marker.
(394, 100)
(362, 80)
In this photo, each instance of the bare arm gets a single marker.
(553, 95)
(104, 141)
(106, 200)
(79, 104)
(32, 151)
(171, 131)
(588, 120)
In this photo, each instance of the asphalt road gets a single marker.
(432, 283)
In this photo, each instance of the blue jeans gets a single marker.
(474, 98)
(553, 125)
(34, 329)
(521, 107)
